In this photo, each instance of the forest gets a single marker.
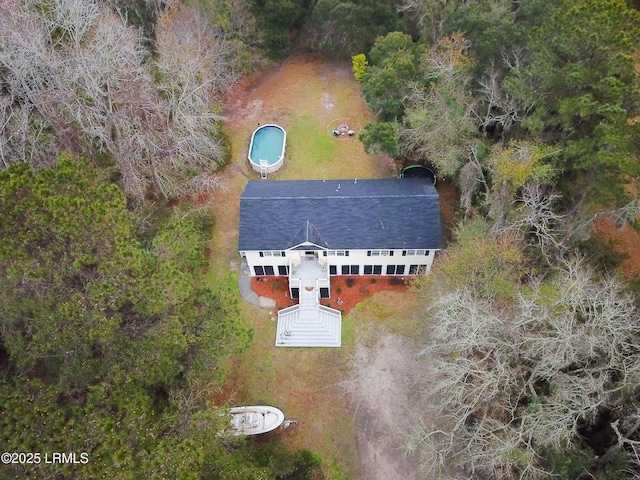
(112, 133)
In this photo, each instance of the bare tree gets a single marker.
(439, 123)
(198, 67)
(500, 111)
(81, 76)
(70, 20)
(578, 225)
(27, 66)
(520, 197)
(535, 215)
(235, 20)
(510, 379)
(425, 17)
(110, 96)
(470, 179)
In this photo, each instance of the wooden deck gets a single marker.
(309, 324)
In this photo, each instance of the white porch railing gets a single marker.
(308, 324)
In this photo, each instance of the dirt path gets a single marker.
(382, 387)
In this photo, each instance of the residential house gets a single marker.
(310, 230)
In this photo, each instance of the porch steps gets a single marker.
(309, 326)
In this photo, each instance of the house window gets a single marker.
(415, 252)
(283, 270)
(345, 269)
(417, 269)
(279, 253)
(355, 270)
(377, 269)
(262, 270)
(395, 269)
(368, 269)
(333, 270)
(266, 253)
(338, 253)
(373, 253)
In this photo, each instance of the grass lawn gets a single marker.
(304, 95)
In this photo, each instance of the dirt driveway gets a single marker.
(383, 388)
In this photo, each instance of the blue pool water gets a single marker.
(267, 143)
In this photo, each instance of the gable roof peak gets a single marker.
(308, 233)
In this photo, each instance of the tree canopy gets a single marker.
(521, 374)
(78, 78)
(581, 83)
(106, 340)
(348, 27)
(537, 72)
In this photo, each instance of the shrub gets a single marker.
(350, 282)
(359, 63)
(396, 281)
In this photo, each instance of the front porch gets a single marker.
(309, 324)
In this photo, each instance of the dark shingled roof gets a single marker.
(340, 214)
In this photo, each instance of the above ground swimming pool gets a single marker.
(266, 151)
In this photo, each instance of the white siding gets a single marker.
(254, 259)
(357, 261)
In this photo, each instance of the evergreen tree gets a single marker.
(109, 346)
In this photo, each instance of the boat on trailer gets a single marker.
(256, 419)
